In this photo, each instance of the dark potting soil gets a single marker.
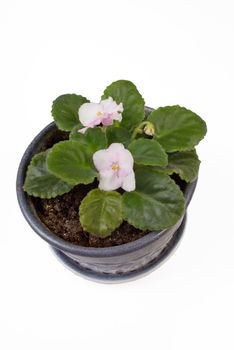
(60, 214)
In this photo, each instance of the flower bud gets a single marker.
(149, 129)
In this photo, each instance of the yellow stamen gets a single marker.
(115, 167)
(98, 114)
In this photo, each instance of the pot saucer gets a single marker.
(75, 267)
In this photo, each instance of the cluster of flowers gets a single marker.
(114, 164)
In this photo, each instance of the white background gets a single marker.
(176, 52)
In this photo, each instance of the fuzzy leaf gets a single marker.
(69, 161)
(185, 164)
(101, 212)
(156, 204)
(39, 182)
(93, 139)
(177, 128)
(126, 92)
(65, 110)
(148, 152)
(118, 134)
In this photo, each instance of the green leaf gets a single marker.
(69, 161)
(156, 204)
(65, 110)
(185, 164)
(148, 152)
(177, 128)
(39, 182)
(93, 139)
(118, 134)
(126, 92)
(101, 212)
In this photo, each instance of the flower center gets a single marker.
(99, 114)
(115, 166)
(104, 115)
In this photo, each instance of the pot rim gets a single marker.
(36, 224)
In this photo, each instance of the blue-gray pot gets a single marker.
(113, 264)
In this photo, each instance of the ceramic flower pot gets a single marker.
(113, 264)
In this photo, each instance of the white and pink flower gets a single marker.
(105, 112)
(115, 166)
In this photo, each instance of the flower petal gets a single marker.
(102, 160)
(110, 107)
(88, 114)
(129, 182)
(107, 121)
(118, 117)
(109, 181)
(123, 157)
(120, 107)
(117, 148)
(126, 160)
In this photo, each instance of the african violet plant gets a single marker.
(115, 142)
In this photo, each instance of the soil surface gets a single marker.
(60, 215)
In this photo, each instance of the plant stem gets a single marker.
(138, 130)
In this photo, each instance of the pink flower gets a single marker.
(115, 166)
(105, 112)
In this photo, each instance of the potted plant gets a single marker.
(107, 184)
